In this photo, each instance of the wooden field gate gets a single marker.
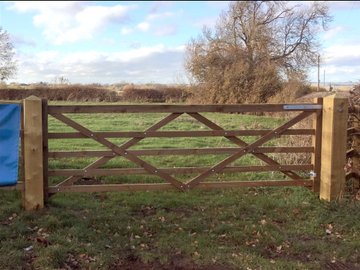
(328, 149)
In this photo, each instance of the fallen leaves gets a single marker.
(252, 243)
(330, 231)
(42, 240)
(13, 216)
(42, 237)
(196, 254)
(9, 220)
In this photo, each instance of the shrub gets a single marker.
(175, 94)
(132, 93)
(142, 95)
(291, 91)
(79, 93)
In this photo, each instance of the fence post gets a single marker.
(33, 154)
(333, 151)
(316, 143)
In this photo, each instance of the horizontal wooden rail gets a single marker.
(260, 183)
(168, 186)
(179, 170)
(175, 151)
(110, 187)
(162, 108)
(172, 134)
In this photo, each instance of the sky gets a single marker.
(143, 41)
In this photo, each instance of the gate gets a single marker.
(323, 173)
(174, 111)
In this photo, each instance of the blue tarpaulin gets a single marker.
(9, 143)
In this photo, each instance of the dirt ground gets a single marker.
(178, 262)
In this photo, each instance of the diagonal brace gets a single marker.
(121, 150)
(240, 142)
(243, 151)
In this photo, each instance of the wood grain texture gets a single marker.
(121, 150)
(33, 154)
(168, 186)
(242, 143)
(333, 152)
(180, 151)
(219, 166)
(172, 134)
(166, 108)
(316, 143)
(179, 170)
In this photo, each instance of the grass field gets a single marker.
(264, 228)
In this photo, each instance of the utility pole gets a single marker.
(318, 85)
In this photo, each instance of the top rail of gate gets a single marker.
(162, 108)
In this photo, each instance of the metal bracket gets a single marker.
(302, 107)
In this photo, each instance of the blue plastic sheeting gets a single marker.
(9, 143)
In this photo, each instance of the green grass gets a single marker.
(264, 228)
(256, 228)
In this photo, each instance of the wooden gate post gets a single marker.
(333, 151)
(33, 154)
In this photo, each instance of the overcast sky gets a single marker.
(142, 42)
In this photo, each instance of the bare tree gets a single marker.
(7, 62)
(253, 47)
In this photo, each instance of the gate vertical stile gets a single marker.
(316, 143)
(45, 132)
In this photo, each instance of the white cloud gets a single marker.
(144, 64)
(341, 63)
(36, 6)
(156, 16)
(343, 5)
(22, 41)
(158, 5)
(47, 56)
(144, 26)
(66, 22)
(166, 30)
(343, 54)
(108, 41)
(126, 30)
(341, 74)
(206, 21)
